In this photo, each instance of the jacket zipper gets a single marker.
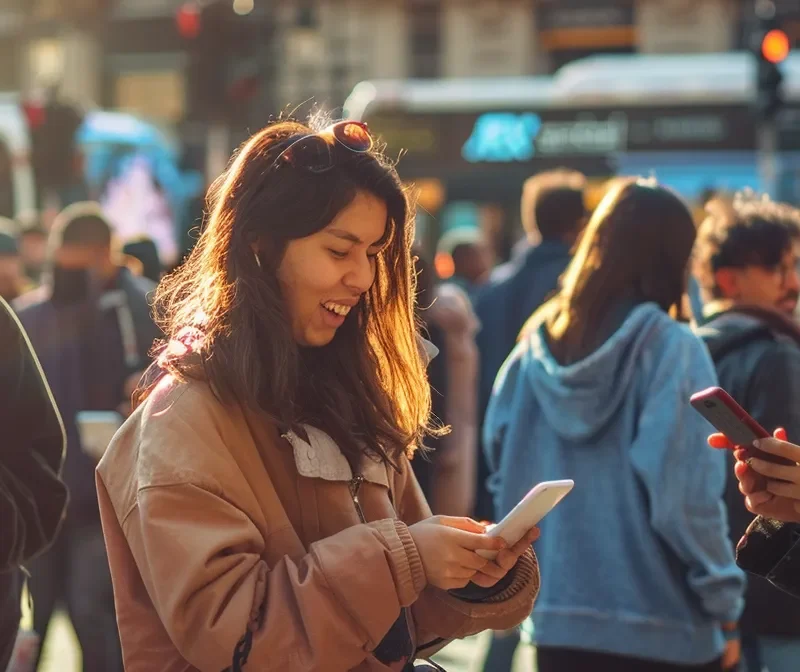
(355, 487)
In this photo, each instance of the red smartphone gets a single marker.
(722, 411)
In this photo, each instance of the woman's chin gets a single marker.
(316, 338)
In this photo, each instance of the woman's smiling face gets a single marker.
(324, 275)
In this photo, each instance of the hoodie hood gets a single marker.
(578, 400)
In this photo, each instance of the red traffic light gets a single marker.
(775, 46)
(188, 20)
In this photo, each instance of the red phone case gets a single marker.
(722, 411)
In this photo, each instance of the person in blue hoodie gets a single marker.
(637, 569)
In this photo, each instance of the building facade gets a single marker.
(329, 45)
(233, 63)
(147, 57)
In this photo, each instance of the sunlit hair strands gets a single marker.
(225, 317)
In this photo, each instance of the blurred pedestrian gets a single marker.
(12, 277)
(553, 213)
(33, 251)
(746, 265)
(470, 257)
(145, 250)
(447, 473)
(640, 572)
(92, 329)
(259, 505)
(32, 495)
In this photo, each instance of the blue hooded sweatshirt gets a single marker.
(636, 561)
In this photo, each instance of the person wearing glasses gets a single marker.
(258, 506)
(747, 270)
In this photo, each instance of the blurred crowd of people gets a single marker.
(574, 359)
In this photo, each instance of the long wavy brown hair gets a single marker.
(637, 246)
(226, 321)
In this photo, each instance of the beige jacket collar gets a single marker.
(320, 457)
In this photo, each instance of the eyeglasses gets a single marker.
(786, 270)
(315, 152)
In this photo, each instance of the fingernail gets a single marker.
(749, 461)
(757, 443)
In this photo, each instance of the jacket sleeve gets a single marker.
(202, 562)
(32, 496)
(771, 550)
(683, 478)
(438, 615)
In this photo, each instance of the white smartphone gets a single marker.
(96, 429)
(531, 509)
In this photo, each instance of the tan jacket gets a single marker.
(214, 521)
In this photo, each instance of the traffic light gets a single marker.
(770, 47)
(188, 20)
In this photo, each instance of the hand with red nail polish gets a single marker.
(781, 499)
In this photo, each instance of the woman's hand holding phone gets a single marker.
(447, 547)
(781, 498)
(504, 561)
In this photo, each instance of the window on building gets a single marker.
(155, 94)
(425, 36)
(45, 60)
(10, 68)
(306, 16)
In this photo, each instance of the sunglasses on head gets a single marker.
(315, 152)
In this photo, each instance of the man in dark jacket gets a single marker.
(747, 270)
(92, 329)
(553, 215)
(32, 495)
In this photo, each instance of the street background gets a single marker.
(138, 104)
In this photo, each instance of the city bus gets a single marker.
(469, 144)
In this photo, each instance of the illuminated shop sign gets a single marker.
(506, 137)
(502, 137)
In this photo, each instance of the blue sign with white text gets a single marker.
(503, 137)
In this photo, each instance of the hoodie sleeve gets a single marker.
(498, 416)
(683, 478)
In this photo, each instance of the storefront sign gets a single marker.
(531, 140)
(505, 137)
(568, 14)
(578, 24)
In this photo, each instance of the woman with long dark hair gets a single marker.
(640, 572)
(259, 505)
